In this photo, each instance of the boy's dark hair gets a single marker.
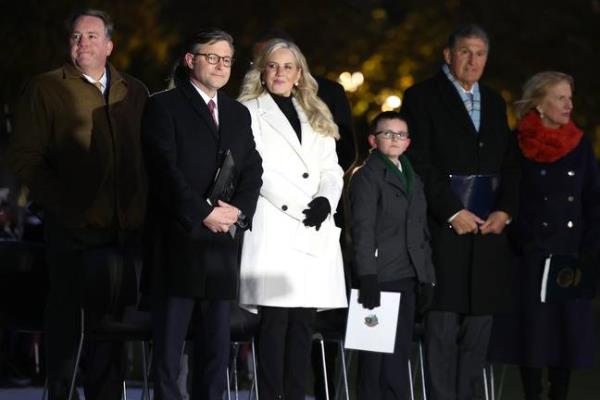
(383, 116)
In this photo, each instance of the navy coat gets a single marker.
(559, 213)
(560, 204)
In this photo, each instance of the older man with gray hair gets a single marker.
(460, 137)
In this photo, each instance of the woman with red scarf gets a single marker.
(559, 213)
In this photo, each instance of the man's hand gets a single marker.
(495, 223)
(221, 217)
(466, 222)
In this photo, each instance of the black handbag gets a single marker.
(565, 277)
(223, 186)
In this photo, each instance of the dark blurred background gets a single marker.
(393, 43)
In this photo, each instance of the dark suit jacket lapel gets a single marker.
(454, 103)
(393, 180)
(198, 104)
(483, 124)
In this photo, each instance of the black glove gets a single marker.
(317, 211)
(369, 294)
(425, 295)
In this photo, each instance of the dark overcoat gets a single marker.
(79, 151)
(183, 150)
(333, 95)
(559, 214)
(472, 271)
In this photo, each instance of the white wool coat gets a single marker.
(284, 263)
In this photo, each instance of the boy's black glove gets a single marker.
(369, 294)
(317, 211)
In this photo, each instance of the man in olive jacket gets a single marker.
(77, 147)
(458, 127)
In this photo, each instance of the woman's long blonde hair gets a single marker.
(317, 112)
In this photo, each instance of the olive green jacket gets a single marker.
(79, 151)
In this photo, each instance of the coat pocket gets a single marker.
(322, 243)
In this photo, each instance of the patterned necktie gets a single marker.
(98, 84)
(470, 102)
(211, 108)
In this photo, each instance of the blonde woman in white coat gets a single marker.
(291, 259)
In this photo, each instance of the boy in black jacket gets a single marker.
(390, 248)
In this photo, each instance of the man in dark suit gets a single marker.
(333, 94)
(191, 257)
(459, 127)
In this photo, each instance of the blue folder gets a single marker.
(478, 193)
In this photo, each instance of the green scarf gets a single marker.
(406, 176)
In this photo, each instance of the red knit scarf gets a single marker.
(542, 144)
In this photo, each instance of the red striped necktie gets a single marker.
(211, 108)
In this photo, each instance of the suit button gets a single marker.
(545, 198)
(571, 173)
(305, 175)
(570, 224)
(570, 198)
(545, 224)
(480, 144)
(543, 172)
(284, 207)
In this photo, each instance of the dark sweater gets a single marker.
(79, 152)
(287, 108)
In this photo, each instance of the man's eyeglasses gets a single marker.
(391, 135)
(214, 59)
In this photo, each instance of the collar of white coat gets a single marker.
(270, 112)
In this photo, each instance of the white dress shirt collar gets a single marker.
(207, 98)
(103, 80)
